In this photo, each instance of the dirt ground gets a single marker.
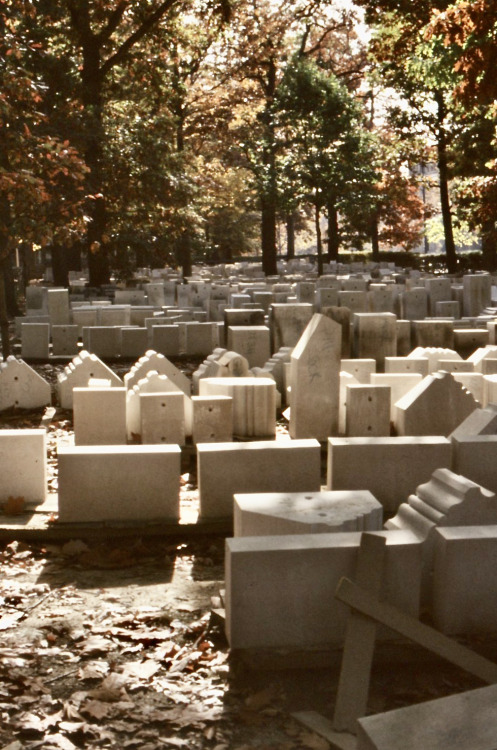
(115, 645)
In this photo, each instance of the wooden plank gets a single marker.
(358, 652)
(368, 604)
(324, 728)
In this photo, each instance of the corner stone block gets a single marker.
(263, 466)
(23, 465)
(119, 483)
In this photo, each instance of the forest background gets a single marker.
(143, 133)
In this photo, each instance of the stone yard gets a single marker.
(307, 413)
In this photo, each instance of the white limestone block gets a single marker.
(271, 513)
(119, 483)
(23, 465)
(21, 386)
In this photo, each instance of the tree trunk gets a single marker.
(4, 318)
(333, 232)
(268, 196)
(450, 248)
(59, 267)
(268, 237)
(375, 242)
(290, 236)
(185, 254)
(92, 96)
(489, 246)
(318, 239)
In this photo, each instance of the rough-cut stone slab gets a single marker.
(271, 513)
(315, 374)
(436, 406)
(225, 469)
(21, 386)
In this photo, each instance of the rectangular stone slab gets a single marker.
(119, 483)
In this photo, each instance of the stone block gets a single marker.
(359, 464)
(212, 419)
(375, 337)
(464, 580)
(104, 341)
(403, 338)
(23, 465)
(288, 322)
(262, 466)
(436, 406)
(165, 339)
(84, 318)
(65, 340)
(433, 333)
(199, 338)
(252, 342)
(407, 365)
(134, 342)
(314, 380)
(272, 513)
(99, 416)
(399, 384)
(447, 309)
(465, 721)
(153, 360)
(79, 372)
(479, 422)
(360, 369)
(367, 410)
(162, 418)
(439, 292)
(414, 304)
(467, 340)
(21, 386)
(475, 383)
(119, 483)
(254, 403)
(343, 316)
(280, 590)
(153, 382)
(326, 297)
(355, 301)
(476, 293)
(113, 316)
(35, 340)
(474, 458)
(58, 306)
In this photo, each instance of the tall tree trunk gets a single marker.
(4, 318)
(269, 197)
(185, 253)
(333, 232)
(290, 236)
(450, 248)
(319, 242)
(268, 237)
(92, 96)
(375, 241)
(59, 266)
(489, 246)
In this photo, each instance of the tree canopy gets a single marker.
(149, 132)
